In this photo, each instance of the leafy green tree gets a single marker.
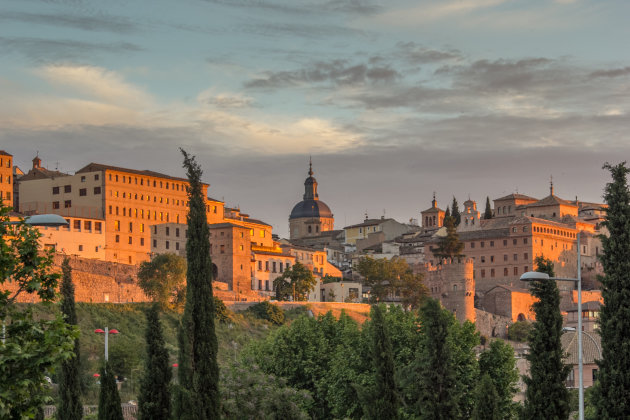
(499, 364)
(449, 246)
(249, 393)
(455, 212)
(385, 276)
(544, 265)
(432, 377)
(381, 401)
(519, 331)
(197, 396)
(70, 406)
(30, 348)
(464, 339)
(154, 400)
(487, 214)
(487, 401)
(613, 388)
(296, 282)
(163, 279)
(546, 395)
(109, 407)
(268, 311)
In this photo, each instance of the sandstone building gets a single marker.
(6, 173)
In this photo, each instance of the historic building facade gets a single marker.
(6, 174)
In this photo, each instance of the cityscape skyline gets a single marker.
(393, 101)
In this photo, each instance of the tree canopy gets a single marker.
(487, 214)
(296, 282)
(163, 279)
(449, 246)
(388, 276)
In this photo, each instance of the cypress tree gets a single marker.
(382, 403)
(70, 406)
(487, 401)
(154, 401)
(612, 392)
(488, 213)
(109, 407)
(198, 393)
(546, 397)
(449, 246)
(447, 213)
(455, 212)
(434, 369)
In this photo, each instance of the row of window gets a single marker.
(482, 244)
(505, 257)
(161, 184)
(130, 240)
(163, 216)
(506, 272)
(82, 191)
(274, 267)
(8, 179)
(550, 231)
(5, 162)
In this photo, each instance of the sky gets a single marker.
(394, 100)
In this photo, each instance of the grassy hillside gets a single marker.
(127, 349)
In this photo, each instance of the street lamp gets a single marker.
(536, 276)
(107, 332)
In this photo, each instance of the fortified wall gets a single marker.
(452, 283)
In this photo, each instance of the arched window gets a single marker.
(309, 229)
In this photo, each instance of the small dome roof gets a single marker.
(310, 208)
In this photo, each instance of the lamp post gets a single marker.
(534, 276)
(107, 332)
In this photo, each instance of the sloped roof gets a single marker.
(41, 173)
(510, 288)
(93, 167)
(516, 196)
(3, 153)
(591, 347)
(368, 222)
(552, 200)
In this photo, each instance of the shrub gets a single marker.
(267, 311)
(221, 312)
(519, 331)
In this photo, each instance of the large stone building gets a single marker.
(311, 216)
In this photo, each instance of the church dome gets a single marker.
(310, 206)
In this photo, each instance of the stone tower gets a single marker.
(452, 283)
(433, 217)
(470, 217)
(311, 216)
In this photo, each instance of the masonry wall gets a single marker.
(452, 283)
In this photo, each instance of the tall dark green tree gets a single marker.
(382, 400)
(447, 213)
(487, 214)
(70, 406)
(154, 401)
(198, 392)
(499, 364)
(487, 401)
(546, 396)
(434, 373)
(449, 246)
(612, 393)
(109, 407)
(455, 212)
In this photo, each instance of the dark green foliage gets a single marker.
(464, 340)
(381, 400)
(221, 312)
(544, 265)
(499, 364)
(268, 312)
(197, 396)
(449, 246)
(154, 400)
(457, 217)
(612, 394)
(546, 395)
(33, 347)
(487, 214)
(487, 401)
(70, 406)
(295, 283)
(386, 276)
(163, 279)
(447, 213)
(432, 377)
(250, 394)
(109, 401)
(519, 331)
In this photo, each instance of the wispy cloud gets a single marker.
(97, 22)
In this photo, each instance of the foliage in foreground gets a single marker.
(268, 312)
(31, 348)
(163, 279)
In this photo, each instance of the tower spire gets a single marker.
(434, 202)
(310, 185)
(551, 185)
(310, 166)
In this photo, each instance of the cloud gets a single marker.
(415, 53)
(99, 22)
(46, 50)
(304, 30)
(434, 11)
(611, 72)
(336, 72)
(352, 7)
(225, 100)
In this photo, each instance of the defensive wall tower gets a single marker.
(452, 283)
